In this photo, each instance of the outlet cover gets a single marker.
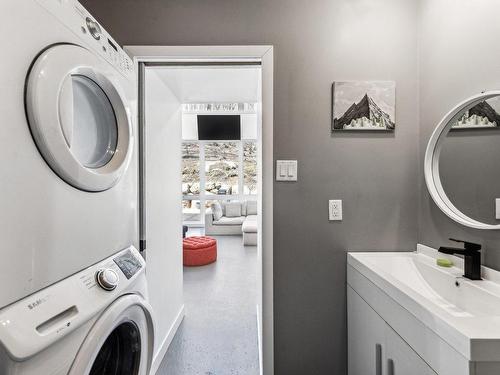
(335, 209)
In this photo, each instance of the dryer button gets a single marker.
(107, 279)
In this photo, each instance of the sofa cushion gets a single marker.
(233, 209)
(244, 208)
(216, 210)
(224, 220)
(250, 224)
(252, 208)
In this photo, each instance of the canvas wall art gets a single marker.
(364, 105)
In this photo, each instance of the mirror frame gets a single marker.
(431, 162)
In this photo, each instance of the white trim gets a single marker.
(431, 162)
(158, 358)
(259, 340)
(266, 207)
(264, 55)
(197, 53)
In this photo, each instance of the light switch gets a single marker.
(292, 170)
(497, 208)
(335, 209)
(283, 170)
(286, 170)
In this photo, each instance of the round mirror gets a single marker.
(461, 162)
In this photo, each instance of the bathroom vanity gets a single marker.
(408, 316)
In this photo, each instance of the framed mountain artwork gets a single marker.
(364, 106)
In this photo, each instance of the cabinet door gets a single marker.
(401, 358)
(366, 337)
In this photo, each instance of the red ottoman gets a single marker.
(199, 250)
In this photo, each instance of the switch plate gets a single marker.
(286, 170)
(335, 209)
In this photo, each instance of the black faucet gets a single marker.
(472, 258)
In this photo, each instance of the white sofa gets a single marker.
(234, 220)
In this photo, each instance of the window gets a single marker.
(190, 168)
(221, 168)
(249, 168)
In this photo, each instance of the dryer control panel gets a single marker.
(75, 17)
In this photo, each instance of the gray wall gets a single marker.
(466, 159)
(459, 57)
(376, 175)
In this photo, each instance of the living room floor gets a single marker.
(218, 335)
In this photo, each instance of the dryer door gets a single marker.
(78, 117)
(120, 342)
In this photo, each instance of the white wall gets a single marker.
(163, 209)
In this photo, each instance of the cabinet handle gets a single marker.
(378, 359)
(390, 367)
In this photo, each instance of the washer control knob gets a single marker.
(94, 28)
(107, 279)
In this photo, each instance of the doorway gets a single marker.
(198, 200)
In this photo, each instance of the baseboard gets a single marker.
(259, 341)
(166, 342)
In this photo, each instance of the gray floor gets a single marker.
(219, 333)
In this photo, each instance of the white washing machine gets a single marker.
(68, 150)
(95, 322)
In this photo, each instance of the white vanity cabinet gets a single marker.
(408, 316)
(374, 348)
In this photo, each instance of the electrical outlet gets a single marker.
(335, 209)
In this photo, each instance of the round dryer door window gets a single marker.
(79, 116)
(95, 133)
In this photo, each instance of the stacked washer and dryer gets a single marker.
(73, 288)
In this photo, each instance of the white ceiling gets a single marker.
(218, 84)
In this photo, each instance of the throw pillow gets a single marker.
(216, 210)
(252, 208)
(233, 209)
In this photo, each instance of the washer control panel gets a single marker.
(75, 17)
(128, 263)
(38, 321)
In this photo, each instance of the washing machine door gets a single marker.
(120, 342)
(79, 116)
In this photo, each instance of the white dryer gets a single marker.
(95, 322)
(69, 177)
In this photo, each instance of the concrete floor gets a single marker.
(218, 335)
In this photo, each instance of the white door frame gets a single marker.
(205, 55)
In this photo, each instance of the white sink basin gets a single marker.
(465, 313)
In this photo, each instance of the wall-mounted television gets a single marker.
(219, 127)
